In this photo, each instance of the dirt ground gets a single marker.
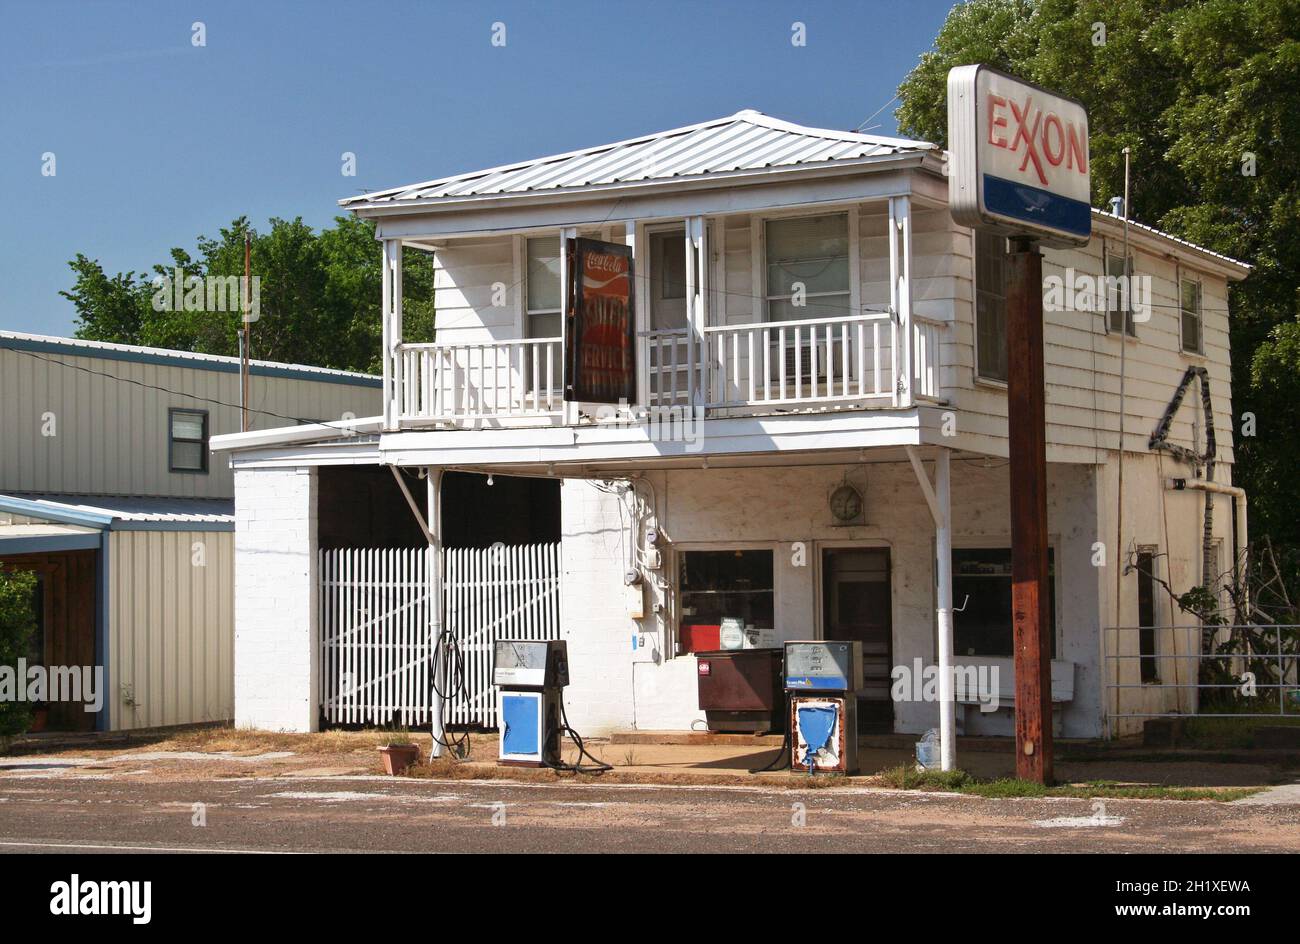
(224, 753)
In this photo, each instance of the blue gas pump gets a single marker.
(822, 681)
(530, 676)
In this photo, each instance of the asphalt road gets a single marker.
(297, 814)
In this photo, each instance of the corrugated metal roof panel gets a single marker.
(747, 140)
(84, 348)
(130, 508)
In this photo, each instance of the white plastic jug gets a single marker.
(927, 751)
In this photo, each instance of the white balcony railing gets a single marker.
(779, 364)
(488, 380)
(819, 360)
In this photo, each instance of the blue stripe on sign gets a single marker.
(1040, 207)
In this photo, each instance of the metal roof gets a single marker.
(21, 341)
(122, 512)
(747, 140)
(1118, 221)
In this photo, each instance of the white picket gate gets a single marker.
(376, 623)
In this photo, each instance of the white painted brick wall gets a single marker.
(778, 507)
(276, 642)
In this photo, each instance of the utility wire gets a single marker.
(297, 421)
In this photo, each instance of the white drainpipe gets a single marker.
(1240, 533)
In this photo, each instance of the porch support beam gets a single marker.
(566, 233)
(391, 317)
(415, 509)
(433, 478)
(697, 293)
(939, 497)
(900, 297)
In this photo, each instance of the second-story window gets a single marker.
(1193, 335)
(991, 306)
(808, 267)
(1117, 300)
(187, 446)
(542, 306)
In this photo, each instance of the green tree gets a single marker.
(17, 626)
(1192, 87)
(318, 296)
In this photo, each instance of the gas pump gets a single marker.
(530, 676)
(822, 681)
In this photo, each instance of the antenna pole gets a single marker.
(244, 339)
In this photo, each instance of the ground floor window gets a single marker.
(982, 578)
(1146, 577)
(714, 585)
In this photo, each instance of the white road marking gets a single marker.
(1076, 822)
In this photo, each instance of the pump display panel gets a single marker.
(823, 666)
(523, 663)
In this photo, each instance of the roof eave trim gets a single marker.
(752, 176)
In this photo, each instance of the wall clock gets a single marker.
(846, 503)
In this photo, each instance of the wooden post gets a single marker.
(1026, 432)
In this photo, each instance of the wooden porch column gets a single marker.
(391, 316)
(641, 306)
(433, 477)
(939, 499)
(900, 297)
(566, 233)
(697, 315)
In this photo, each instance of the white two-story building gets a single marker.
(821, 385)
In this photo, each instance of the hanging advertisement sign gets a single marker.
(599, 323)
(1018, 158)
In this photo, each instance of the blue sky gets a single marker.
(157, 141)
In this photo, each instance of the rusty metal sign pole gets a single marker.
(1027, 441)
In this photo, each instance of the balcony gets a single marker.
(839, 363)
(873, 351)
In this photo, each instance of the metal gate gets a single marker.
(376, 622)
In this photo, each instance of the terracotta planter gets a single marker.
(397, 757)
(40, 717)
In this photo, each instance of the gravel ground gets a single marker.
(77, 811)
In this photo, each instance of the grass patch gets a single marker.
(1206, 732)
(959, 781)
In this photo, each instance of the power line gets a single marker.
(297, 421)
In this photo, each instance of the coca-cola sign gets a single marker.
(600, 323)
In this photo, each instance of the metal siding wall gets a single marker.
(171, 632)
(112, 434)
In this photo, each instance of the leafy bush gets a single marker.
(17, 625)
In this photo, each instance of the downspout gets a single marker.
(103, 718)
(1239, 528)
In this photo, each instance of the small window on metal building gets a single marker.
(187, 444)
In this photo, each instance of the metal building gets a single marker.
(109, 493)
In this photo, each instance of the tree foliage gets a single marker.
(17, 625)
(319, 296)
(1193, 87)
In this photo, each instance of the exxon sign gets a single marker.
(1018, 158)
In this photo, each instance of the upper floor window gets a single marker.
(187, 447)
(808, 267)
(542, 305)
(1193, 333)
(1116, 300)
(990, 306)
